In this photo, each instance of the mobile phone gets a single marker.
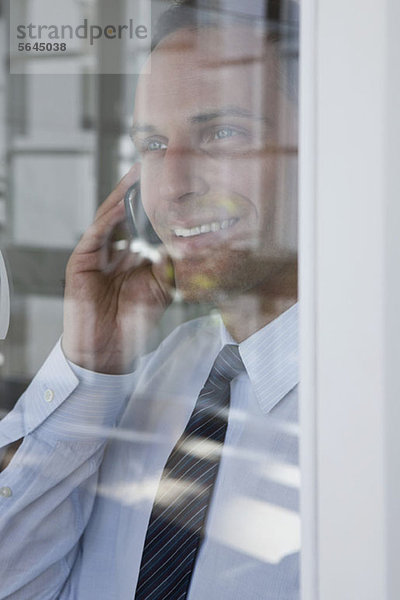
(138, 222)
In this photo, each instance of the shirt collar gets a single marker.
(271, 358)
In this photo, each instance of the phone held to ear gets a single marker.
(138, 222)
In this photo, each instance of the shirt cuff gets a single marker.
(66, 402)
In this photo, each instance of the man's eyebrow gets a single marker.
(228, 111)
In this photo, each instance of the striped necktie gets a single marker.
(178, 517)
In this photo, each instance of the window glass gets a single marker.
(149, 380)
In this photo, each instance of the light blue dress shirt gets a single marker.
(76, 499)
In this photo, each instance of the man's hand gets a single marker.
(113, 298)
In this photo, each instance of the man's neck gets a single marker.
(249, 312)
(245, 317)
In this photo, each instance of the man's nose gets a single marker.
(181, 174)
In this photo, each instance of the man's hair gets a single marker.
(277, 19)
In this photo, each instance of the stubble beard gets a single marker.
(215, 280)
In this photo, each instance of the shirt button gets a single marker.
(49, 395)
(5, 492)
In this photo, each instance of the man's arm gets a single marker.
(47, 491)
(112, 300)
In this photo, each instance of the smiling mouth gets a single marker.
(213, 227)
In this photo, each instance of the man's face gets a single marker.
(215, 134)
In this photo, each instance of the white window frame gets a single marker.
(350, 299)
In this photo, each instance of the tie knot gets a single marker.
(228, 363)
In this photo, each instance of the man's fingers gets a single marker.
(100, 232)
(122, 260)
(149, 284)
(131, 177)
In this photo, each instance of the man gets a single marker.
(81, 497)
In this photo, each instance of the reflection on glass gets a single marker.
(160, 452)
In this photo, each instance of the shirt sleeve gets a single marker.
(48, 490)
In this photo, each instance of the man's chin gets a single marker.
(200, 283)
(200, 288)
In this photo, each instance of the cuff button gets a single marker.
(49, 395)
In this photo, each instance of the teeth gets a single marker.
(206, 228)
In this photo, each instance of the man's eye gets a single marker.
(225, 140)
(154, 146)
(224, 132)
